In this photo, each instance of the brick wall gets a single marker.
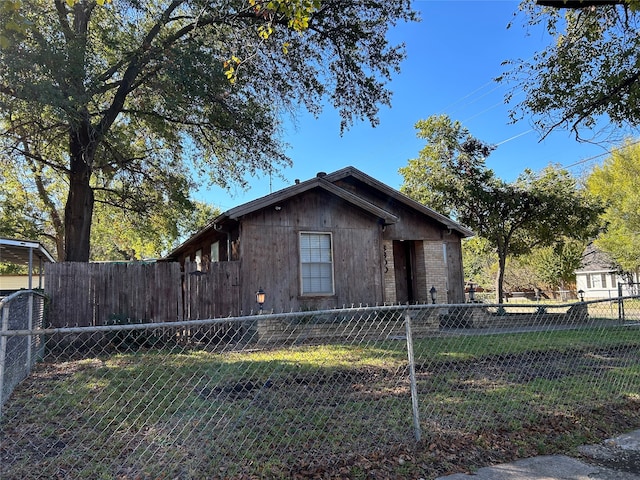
(435, 269)
(389, 272)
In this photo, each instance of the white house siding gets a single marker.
(604, 284)
(19, 282)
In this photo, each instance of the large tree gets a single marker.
(109, 95)
(615, 182)
(590, 71)
(32, 203)
(537, 209)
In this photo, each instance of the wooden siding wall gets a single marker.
(93, 294)
(270, 256)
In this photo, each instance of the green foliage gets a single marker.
(134, 103)
(616, 184)
(549, 267)
(479, 259)
(30, 202)
(128, 340)
(451, 161)
(14, 23)
(152, 233)
(13, 269)
(520, 275)
(534, 210)
(144, 222)
(587, 72)
(556, 265)
(201, 216)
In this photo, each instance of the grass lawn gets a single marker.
(338, 410)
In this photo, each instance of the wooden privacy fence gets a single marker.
(90, 294)
(213, 291)
(94, 294)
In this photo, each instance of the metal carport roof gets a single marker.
(17, 251)
(24, 252)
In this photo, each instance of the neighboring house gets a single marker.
(30, 254)
(339, 239)
(599, 277)
(13, 283)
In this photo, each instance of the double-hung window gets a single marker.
(316, 263)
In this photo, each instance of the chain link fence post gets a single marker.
(4, 314)
(417, 432)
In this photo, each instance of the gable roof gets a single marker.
(318, 182)
(400, 197)
(327, 182)
(595, 260)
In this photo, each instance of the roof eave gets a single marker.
(318, 182)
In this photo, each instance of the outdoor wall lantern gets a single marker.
(432, 292)
(472, 293)
(581, 293)
(260, 297)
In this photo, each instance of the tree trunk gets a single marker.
(78, 210)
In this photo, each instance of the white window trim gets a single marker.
(300, 263)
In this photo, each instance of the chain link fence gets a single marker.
(18, 354)
(385, 392)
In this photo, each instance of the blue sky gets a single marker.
(453, 55)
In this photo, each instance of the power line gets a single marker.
(609, 152)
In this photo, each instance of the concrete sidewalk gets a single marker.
(614, 459)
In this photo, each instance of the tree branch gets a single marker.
(576, 4)
(591, 107)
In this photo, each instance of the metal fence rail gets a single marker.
(381, 392)
(22, 310)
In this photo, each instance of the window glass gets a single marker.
(316, 263)
(199, 260)
(215, 252)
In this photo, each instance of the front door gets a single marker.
(404, 260)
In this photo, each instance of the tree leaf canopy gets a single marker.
(134, 101)
(589, 74)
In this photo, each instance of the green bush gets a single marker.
(130, 340)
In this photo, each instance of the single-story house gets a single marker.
(339, 239)
(599, 276)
